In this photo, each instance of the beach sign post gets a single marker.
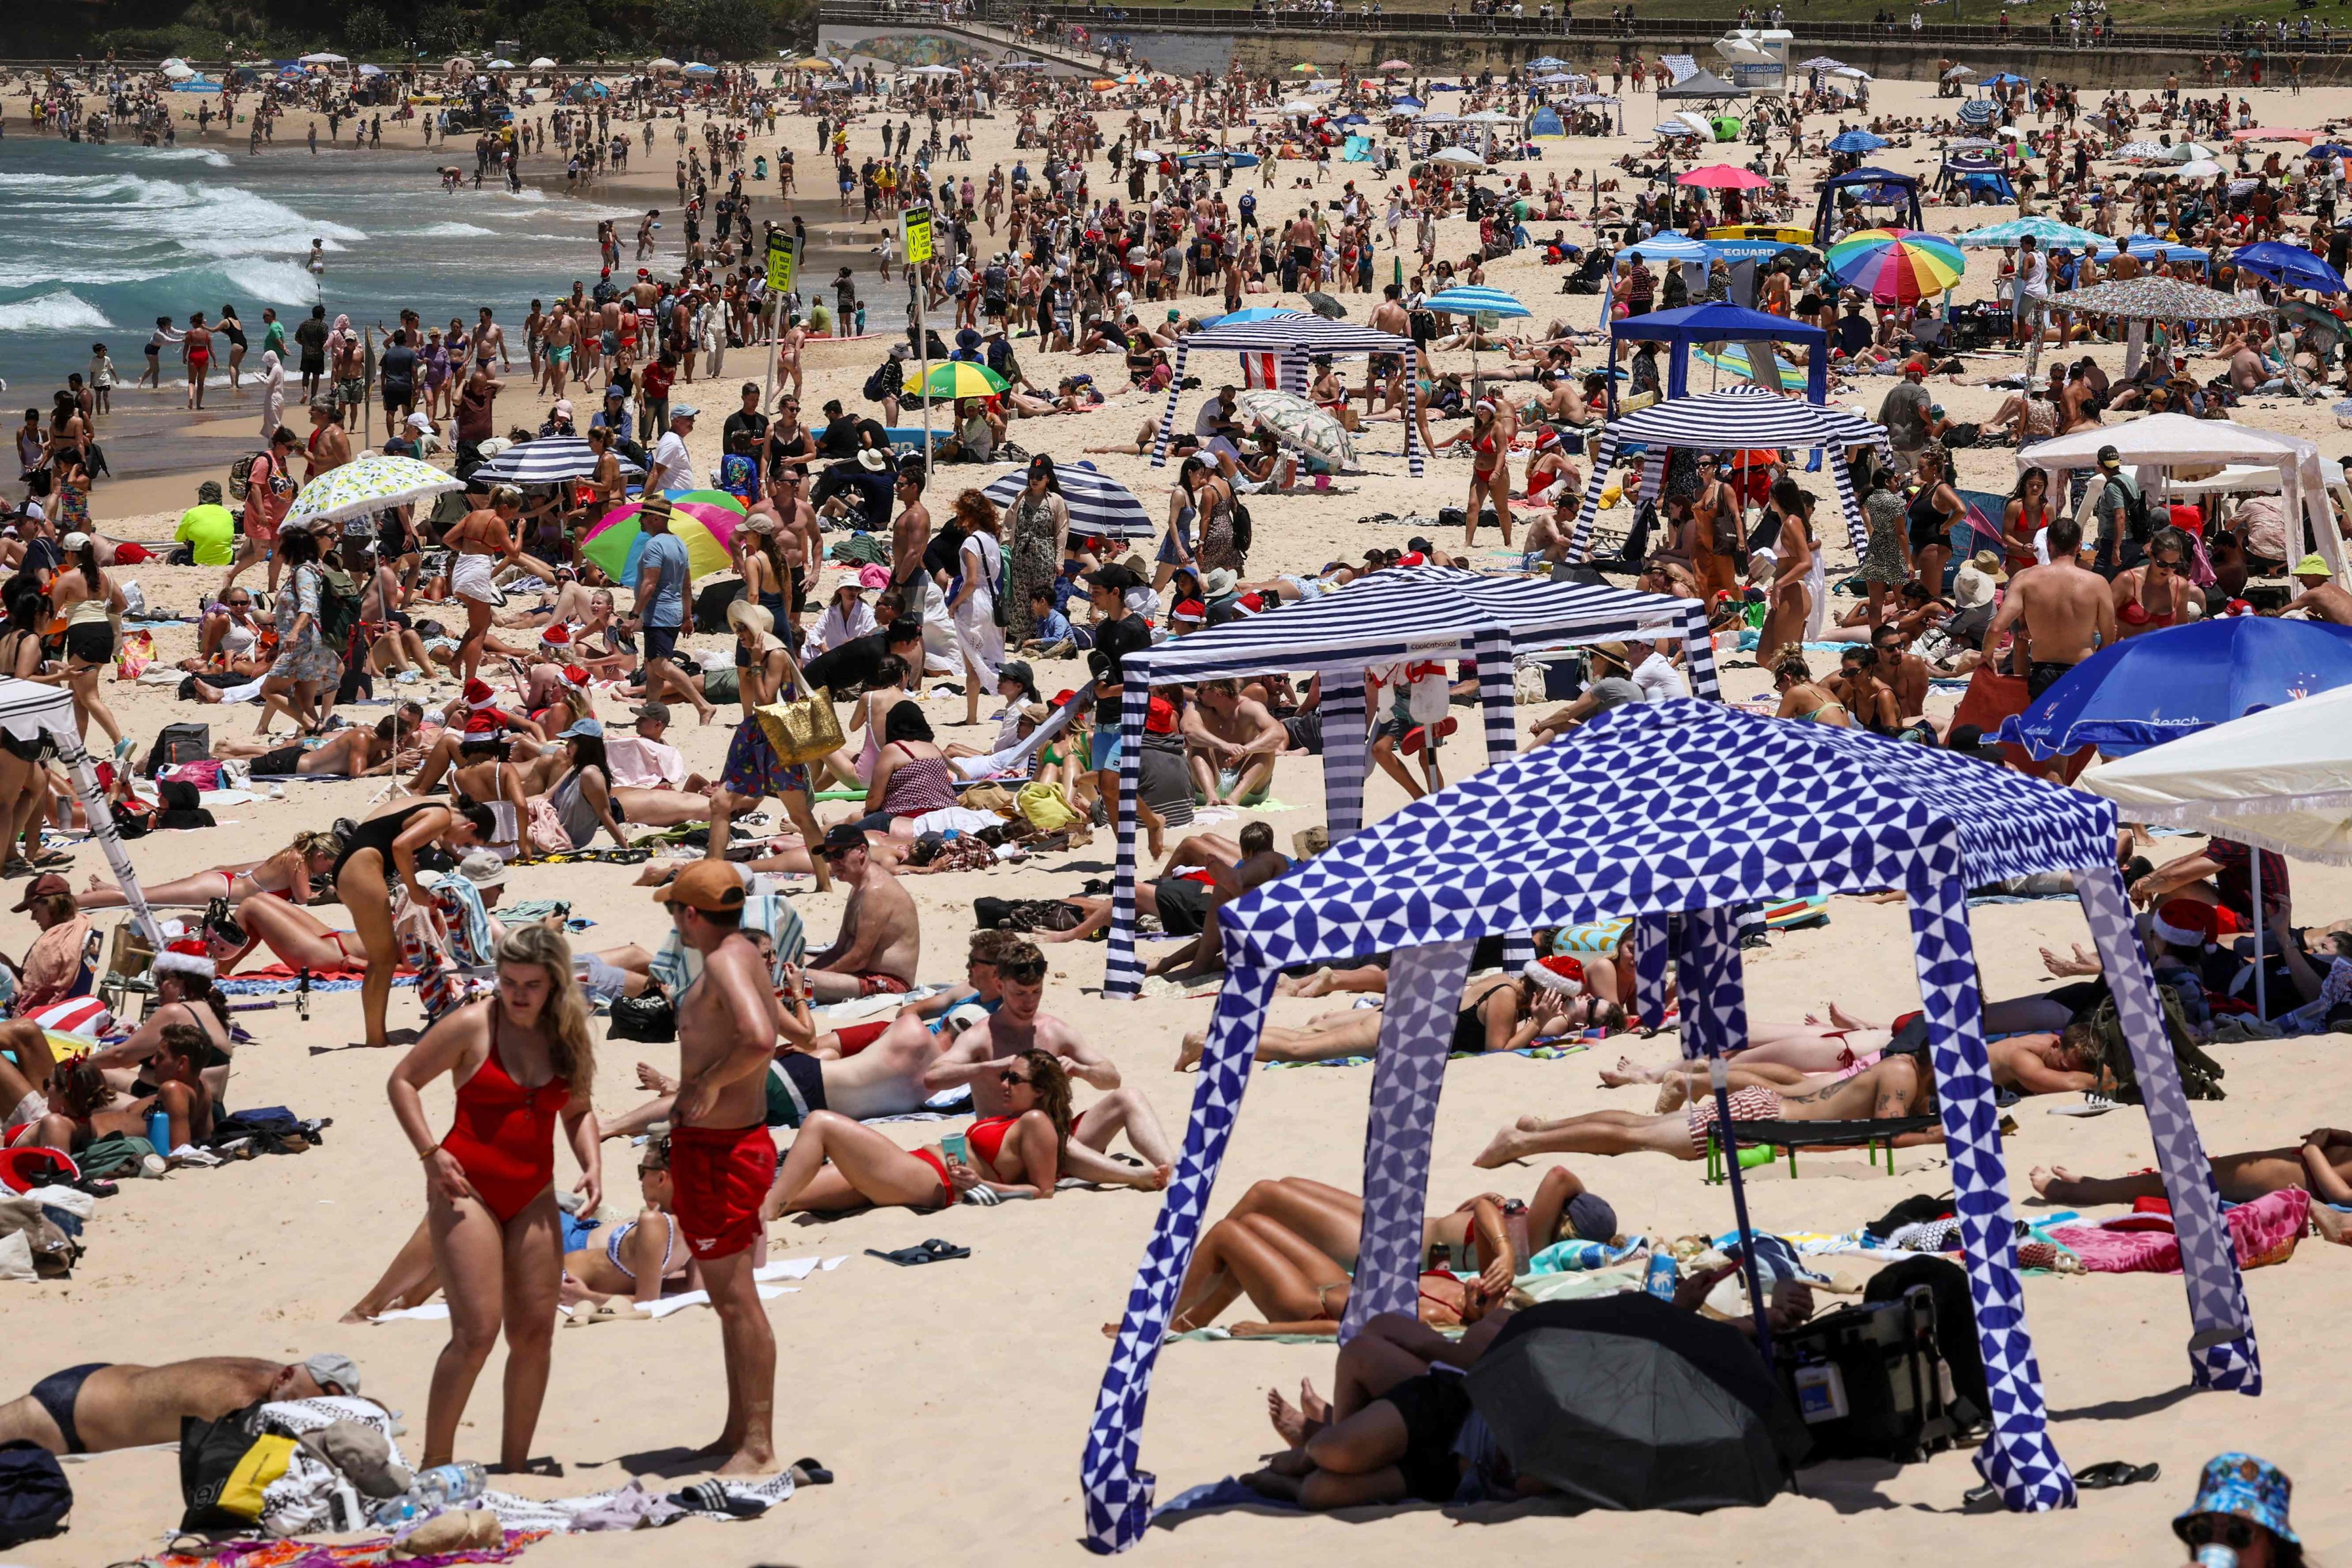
(783, 270)
(917, 223)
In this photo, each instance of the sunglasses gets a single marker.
(1025, 973)
(2228, 1528)
(1012, 1079)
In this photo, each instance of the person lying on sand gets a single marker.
(1895, 1086)
(2321, 1164)
(837, 1165)
(2065, 1063)
(644, 1258)
(99, 1408)
(884, 1079)
(1299, 1288)
(288, 874)
(1498, 1013)
(345, 754)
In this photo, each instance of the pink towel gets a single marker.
(2263, 1231)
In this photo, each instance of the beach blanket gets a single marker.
(276, 979)
(2263, 1231)
(365, 1553)
(1542, 1051)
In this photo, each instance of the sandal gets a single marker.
(2115, 1473)
(811, 1473)
(932, 1251)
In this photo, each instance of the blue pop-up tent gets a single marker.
(1716, 323)
(1872, 187)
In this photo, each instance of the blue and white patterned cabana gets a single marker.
(1097, 504)
(1415, 613)
(1727, 421)
(1295, 340)
(1675, 812)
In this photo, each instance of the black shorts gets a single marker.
(398, 396)
(1386, 365)
(2041, 676)
(1433, 1406)
(795, 1087)
(661, 641)
(92, 642)
(313, 364)
(1184, 905)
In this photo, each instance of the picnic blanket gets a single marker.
(2263, 1231)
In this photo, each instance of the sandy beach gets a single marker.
(951, 1401)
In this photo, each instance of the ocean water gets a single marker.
(103, 240)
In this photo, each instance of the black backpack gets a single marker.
(339, 607)
(179, 743)
(34, 1495)
(1244, 531)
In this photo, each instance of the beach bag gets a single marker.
(240, 474)
(2200, 1075)
(805, 728)
(547, 830)
(116, 1155)
(339, 607)
(225, 1466)
(648, 1019)
(178, 743)
(34, 1495)
(135, 654)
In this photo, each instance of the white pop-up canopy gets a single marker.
(2280, 778)
(34, 713)
(2162, 441)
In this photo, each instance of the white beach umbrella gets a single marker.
(1457, 157)
(2201, 169)
(175, 70)
(321, 58)
(542, 63)
(368, 484)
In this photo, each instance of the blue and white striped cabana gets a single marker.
(1295, 340)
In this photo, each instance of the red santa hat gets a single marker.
(189, 956)
(480, 696)
(576, 676)
(479, 726)
(557, 636)
(1559, 973)
(2189, 924)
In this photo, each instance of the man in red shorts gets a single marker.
(722, 1158)
(881, 938)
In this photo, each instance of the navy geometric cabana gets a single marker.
(1722, 421)
(1720, 324)
(1681, 808)
(1422, 612)
(1298, 338)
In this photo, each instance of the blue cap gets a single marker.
(587, 728)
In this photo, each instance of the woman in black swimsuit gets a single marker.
(233, 330)
(1930, 519)
(1868, 700)
(1507, 1013)
(373, 852)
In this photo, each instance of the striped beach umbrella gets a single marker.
(1300, 423)
(1098, 504)
(549, 460)
(2045, 231)
(1895, 266)
(1474, 301)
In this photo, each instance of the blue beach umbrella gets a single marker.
(1857, 141)
(1546, 63)
(1406, 100)
(2161, 685)
(1471, 301)
(2289, 266)
(1255, 313)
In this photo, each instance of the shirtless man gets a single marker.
(2068, 613)
(2157, 592)
(1019, 1025)
(534, 338)
(1385, 371)
(910, 536)
(1890, 1088)
(1792, 566)
(721, 1157)
(1232, 743)
(1905, 671)
(2322, 597)
(330, 445)
(490, 342)
(880, 941)
(2045, 1063)
(2320, 1164)
(1236, 866)
(99, 1406)
(560, 340)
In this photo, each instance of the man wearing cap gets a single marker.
(2321, 598)
(880, 941)
(206, 527)
(615, 416)
(721, 1157)
(660, 589)
(2117, 546)
(671, 469)
(1903, 412)
(102, 1406)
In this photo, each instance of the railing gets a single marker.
(1043, 21)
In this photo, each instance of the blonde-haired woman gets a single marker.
(520, 1061)
(287, 874)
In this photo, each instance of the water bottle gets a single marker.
(159, 1131)
(445, 1486)
(2216, 1554)
(1662, 1277)
(398, 1512)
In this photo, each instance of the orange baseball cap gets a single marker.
(710, 886)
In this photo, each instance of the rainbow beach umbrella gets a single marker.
(1895, 266)
(704, 526)
(957, 378)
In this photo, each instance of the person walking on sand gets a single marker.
(196, 350)
(721, 1157)
(520, 1061)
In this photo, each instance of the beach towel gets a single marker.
(2263, 1232)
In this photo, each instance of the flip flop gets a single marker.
(2115, 1473)
(811, 1472)
(932, 1251)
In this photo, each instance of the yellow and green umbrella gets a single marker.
(957, 378)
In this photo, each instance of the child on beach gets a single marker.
(100, 377)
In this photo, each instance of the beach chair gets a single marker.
(1788, 1137)
(128, 972)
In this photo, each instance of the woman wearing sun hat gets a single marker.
(2239, 1517)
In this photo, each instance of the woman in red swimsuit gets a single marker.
(1489, 435)
(835, 1163)
(518, 1060)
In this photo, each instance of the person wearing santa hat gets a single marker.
(476, 713)
(184, 997)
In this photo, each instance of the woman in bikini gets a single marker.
(1803, 700)
(287, 874)
(1489, 436)
(520, 1060)
(1299, 1288)
(1866, 697)
(642, 1257)
(90, 603)
(838, 1164)
(2027, 514)
(375, 852)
